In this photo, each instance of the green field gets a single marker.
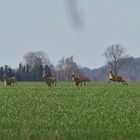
(98, 111)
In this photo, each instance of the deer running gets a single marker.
(112, 77)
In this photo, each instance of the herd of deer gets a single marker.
(78, 80)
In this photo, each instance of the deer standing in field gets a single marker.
(50, 80)
(79, 79)
(112, 77)
(9, 80)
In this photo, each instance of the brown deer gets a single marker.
(50, 80)
(9, 80)
(79, 79)
(112, 77)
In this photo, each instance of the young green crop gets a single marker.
(97, 111)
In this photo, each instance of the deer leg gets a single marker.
(48, 84)
(84, 83)
(125, 82)
(51, 84)
(77, 84)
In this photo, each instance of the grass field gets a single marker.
(98, 111)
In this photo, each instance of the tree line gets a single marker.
(37, 62)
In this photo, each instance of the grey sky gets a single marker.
(32, 25)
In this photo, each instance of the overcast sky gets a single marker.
(32, 25)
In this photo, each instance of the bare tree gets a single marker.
(35, 59)
(116, 57)
(65, 68)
